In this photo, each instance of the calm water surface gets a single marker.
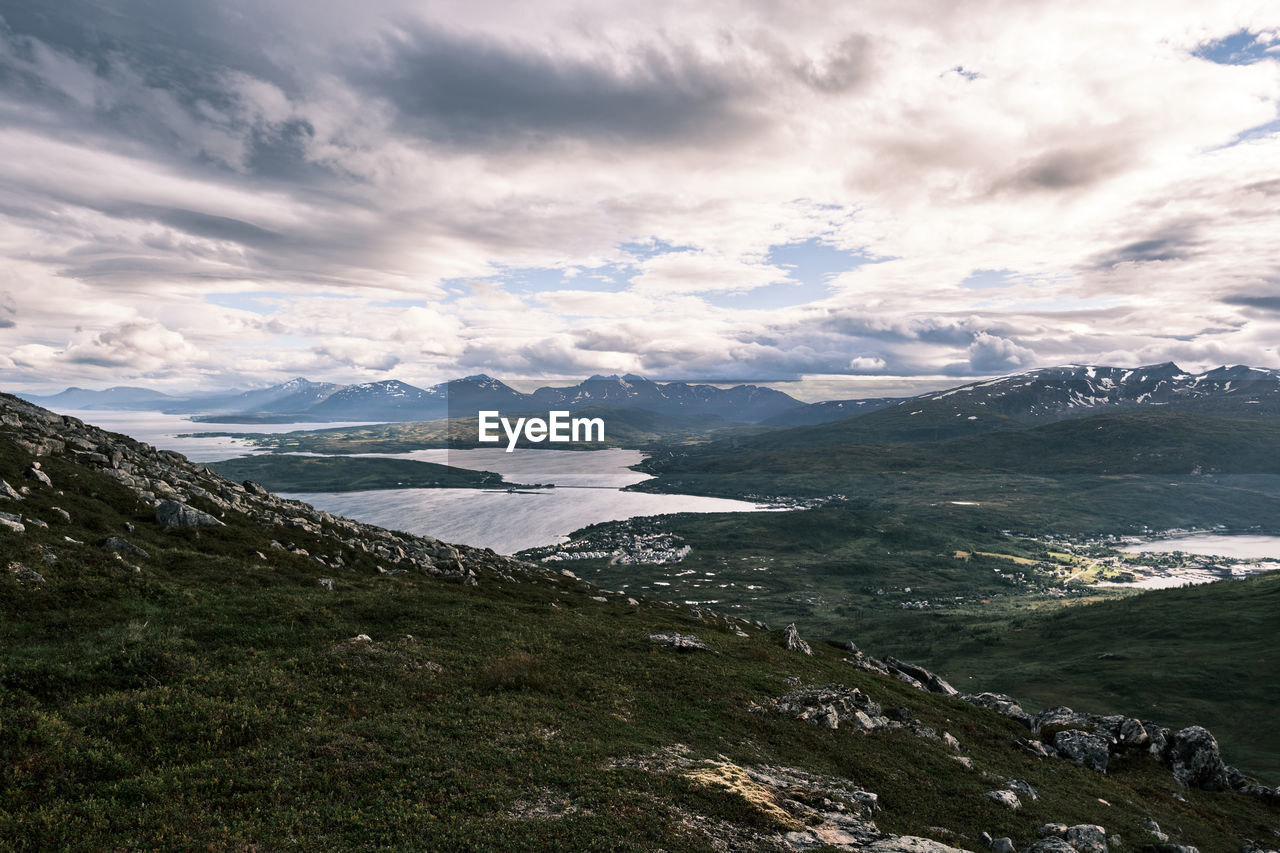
(587, 485)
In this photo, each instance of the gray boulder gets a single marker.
(791, 637)
(178, 514)
(8, 492)
(1002, 845)
(1005, 798)
(34, 473)
(1082, 748)
(1022, 789)
(1086, 838)
(1195, 760)
(12, 523)
(123, 546)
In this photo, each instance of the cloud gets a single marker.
(239, 192)
(993, 354)
(141, 345)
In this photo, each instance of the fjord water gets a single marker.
(1243, 547)
(587, 484)
(176, 432)
(587, 491)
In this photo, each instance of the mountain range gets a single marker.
(1021, 399)
(392, 400)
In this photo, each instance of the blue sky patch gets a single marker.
(1240, 48)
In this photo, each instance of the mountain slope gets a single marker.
(1207, 654)
(177, 687)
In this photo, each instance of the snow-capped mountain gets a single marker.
(388, 399)
(1074, 390)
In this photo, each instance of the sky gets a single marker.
(199, 195)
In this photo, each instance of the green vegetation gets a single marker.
(1207, 655)
(1113, 473)
(210, 695)
(286, 473)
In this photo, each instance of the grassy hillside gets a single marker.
(282, 473)
(1209, 654)
(1113, 473)
(210, 694)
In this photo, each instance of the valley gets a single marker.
(988, 548)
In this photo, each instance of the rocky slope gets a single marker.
(192, 662)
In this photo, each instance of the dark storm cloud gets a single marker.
(470, 90)
(929, 330)
(1172, 243)
(1067, 168)
(1264, 303)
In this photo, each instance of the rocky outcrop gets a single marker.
(924, 678)
(1082, 749)
(791, 637)
(680, 642)
(832, 705)
(184, 495)
(178, 514)
(1195, 760)
(1005, 706)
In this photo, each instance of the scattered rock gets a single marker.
(25, 575)
(1002, 845)
(1086, 838)
(1005, 798)
(1082, 748)
(1153, 829)
(255, 489)
(832, 705)
(950, 740)
(7, 492)
(178, 514)
(965, 760)
(1052, 844)
(1169, 848)
(680, 642)
(1022, 789)
(124, 546)
(12, 523)
(61, 513)
(34, 473)
(791, 637)
(327, 583)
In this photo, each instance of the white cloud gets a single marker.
(1123, 182)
